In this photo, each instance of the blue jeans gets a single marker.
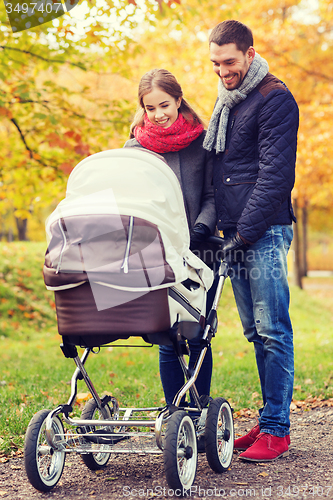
(261, 292)
(171, 373)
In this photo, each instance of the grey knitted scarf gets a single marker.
(227, 99)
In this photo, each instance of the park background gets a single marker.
(68, 90)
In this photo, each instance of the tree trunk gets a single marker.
(22, 225)
(305, 240)
(297, 274)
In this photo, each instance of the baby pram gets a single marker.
(119, 263)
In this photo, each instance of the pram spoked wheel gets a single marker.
(95, 461)
(180, 452)
(43, 464)
(219, 435)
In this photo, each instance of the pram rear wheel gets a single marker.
(219, 435)
(96, 461)
(43, 464)
(180, 452)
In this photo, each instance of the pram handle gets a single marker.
(217, 240)
(227, 259)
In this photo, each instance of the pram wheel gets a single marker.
(219, 435)
(180, 452)
(43, 464)
(95, 461)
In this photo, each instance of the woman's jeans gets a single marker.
(261, 291)
(171, 373)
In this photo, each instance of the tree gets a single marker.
(49, 124)
(49, 120)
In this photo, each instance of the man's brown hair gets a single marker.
(232, 32)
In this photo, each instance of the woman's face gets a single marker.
(161, 108)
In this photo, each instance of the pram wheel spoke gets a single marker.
(43, 464)
(180, 452)
(219, 435)
(96, 461)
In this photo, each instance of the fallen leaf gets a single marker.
(263, 474)
(83, 396)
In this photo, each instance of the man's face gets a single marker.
(230, 64)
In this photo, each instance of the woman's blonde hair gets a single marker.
(166, 81)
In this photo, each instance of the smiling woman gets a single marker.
(166, 124)
(161, 108)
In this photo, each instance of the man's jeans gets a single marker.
(262, 295)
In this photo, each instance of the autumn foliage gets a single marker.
(68, 88)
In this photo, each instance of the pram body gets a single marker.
(119, 263)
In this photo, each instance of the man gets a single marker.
(253, 131)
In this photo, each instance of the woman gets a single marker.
(166, 124)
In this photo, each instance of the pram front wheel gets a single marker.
(219, 435)
(180, 452)
(95, 461)
(43, 464)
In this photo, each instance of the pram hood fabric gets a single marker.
(104, 193)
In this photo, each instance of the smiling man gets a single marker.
(253, 132)
(231, 64)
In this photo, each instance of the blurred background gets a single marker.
(69, 89)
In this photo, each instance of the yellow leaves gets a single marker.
(82, 397)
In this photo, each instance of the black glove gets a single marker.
(198, 234)
(234, 249)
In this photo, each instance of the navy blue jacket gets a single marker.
(254, 176)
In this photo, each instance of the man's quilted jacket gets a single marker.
(254, 176)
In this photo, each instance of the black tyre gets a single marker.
(43, 464)
(96, 461)
(180, 452)
(219, 435)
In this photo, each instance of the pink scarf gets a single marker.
(164, 140)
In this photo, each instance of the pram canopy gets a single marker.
(122, 233)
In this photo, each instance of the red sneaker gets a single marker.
(244, 442)
(266, 448)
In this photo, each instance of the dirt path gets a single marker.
(306, 473)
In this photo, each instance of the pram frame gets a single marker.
(57, 443)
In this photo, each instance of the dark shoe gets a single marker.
(266, 448)
(244, 442)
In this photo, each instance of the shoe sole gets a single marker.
(285, 454)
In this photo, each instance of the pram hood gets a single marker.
(106, 193)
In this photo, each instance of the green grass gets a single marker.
(34, 374)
